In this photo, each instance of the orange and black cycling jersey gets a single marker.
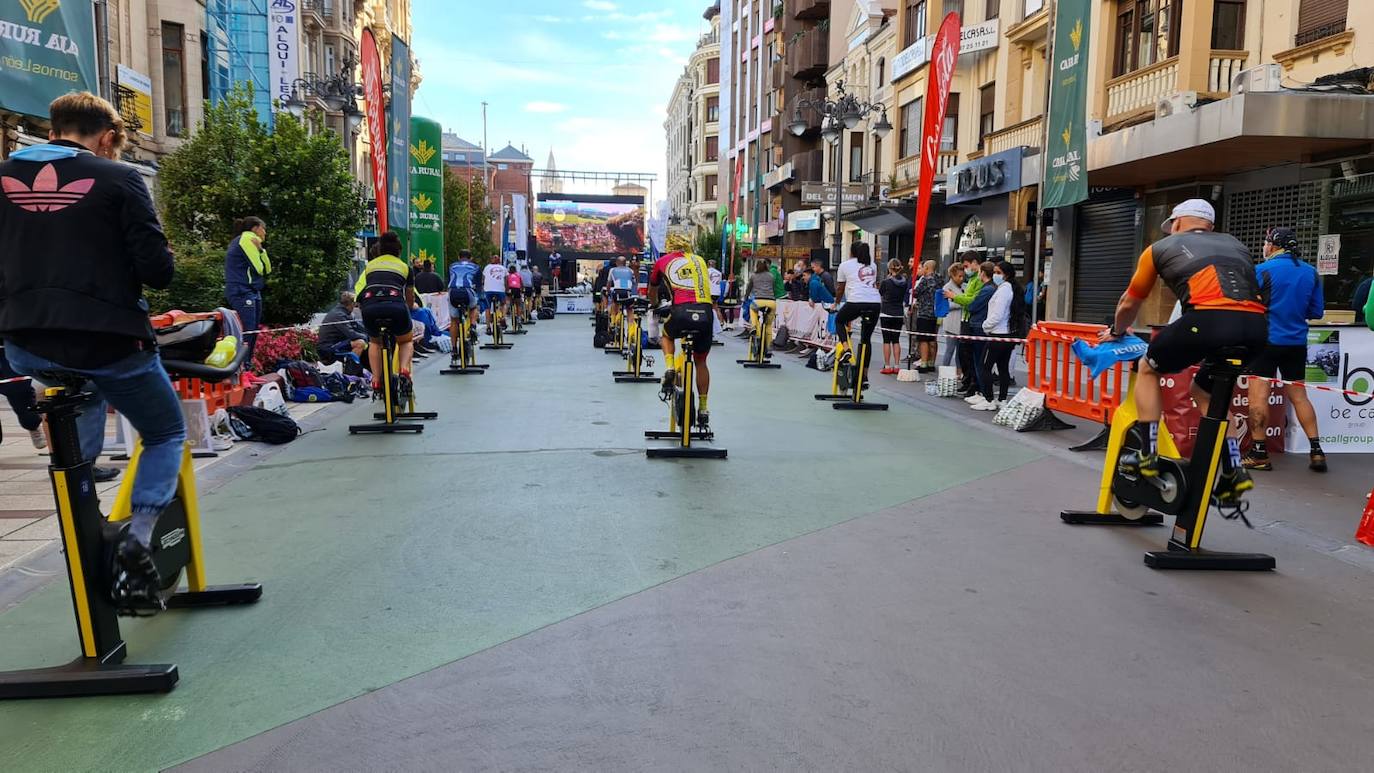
(1205, 269)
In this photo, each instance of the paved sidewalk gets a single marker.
(28, 528)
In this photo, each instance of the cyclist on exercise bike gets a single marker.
(79, 240)
(385, 291)
(620, 284)
(462, 295)
(857, 286)
(686, 276)
(1223, 307)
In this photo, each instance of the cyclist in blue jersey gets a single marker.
(462, 294)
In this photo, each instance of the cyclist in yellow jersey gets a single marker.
(385, 290)
(686, 276)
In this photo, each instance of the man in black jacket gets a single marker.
(79, 240)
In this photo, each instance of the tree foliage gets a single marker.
(707, 243)
(296, 178)
(466, 228)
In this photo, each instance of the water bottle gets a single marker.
(224, 352)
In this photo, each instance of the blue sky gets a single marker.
(588, 78)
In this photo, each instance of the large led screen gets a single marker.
(589, 226)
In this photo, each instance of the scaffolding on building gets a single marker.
(236, 51)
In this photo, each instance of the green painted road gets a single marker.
(529, 501)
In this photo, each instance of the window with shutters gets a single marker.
(1147, 32)
(987, 111)
(713, 70)
(712, 109)
(1319, 19)
(910, 138)
(949, 137)
(856, 157)
(1228, 25)
(915, 22)
(993, 8)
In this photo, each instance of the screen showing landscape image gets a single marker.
(589, 225)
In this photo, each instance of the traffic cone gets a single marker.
(1365, 533)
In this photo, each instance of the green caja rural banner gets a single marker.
(426, 191)
(47, 48)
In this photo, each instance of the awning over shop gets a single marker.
(884, 219)
(1248, 131)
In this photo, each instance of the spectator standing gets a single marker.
(341, 332)
(1361, 299)
(924, 293)
(19, 393)
(978, 314)
(246, 266)
(426, 281)
(968, 350)
(1294, 294)
(1007, 304)
(716, 280)
(894, 290)
(818, 268)
(953, 319)
(536, 285)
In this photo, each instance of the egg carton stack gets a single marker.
(1021, 411)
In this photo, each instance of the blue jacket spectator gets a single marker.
(978, 308)
(1361, 298)
(1295, 296)
(818, 292)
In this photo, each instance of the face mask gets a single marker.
(998, 279)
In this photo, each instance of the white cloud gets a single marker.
(544, 107)
(668, 33)
(599, 5)
(547, 19)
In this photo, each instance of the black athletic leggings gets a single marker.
(996, 355)
(851, 311)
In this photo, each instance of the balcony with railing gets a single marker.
(1223, 67)
(810, 9)
(907, 173)
(1141, 90)
(809, 56)
(1029, 132)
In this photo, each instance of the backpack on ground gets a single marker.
(251, 423)
(339, 388)
(603, 331)
(303, 374)
(545, 313)
(782, 340)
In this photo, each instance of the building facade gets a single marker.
(678, 129)
(692, 130)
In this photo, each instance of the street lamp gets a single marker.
(845, 111)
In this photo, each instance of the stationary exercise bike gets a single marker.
(849, 379)
(517, 318)
(463, 361)
(761, 339)
(498, 323)
(682, 414)
(397, 395)
(88, 539)
(1184, 487)
(635, 357)
(615, 344)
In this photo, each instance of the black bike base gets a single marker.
(853, 406)
(86, 677)
(717, 343)
(417, 416)
(828, 396)
(383, 428)
(630, 378)
(497, 346)
(475, 370)
(217, 596)
(766, 364)
(663, 434)
(1094, 518)
(689, 452)
(516, 332)
(612, 350)
(1208, 560)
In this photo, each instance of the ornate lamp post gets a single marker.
(845, 111)
(337, 91)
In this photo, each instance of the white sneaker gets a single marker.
(974, 399)
(40, 441)
(986, 406)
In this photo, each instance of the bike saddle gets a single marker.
(61, 378)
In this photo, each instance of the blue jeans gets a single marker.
(138, 388)
(20, 395)
(249, 307)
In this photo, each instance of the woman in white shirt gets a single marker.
(856, 283)
(1007, 302)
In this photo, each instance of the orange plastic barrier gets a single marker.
(1063, 378)
(1365, 532)
(216, 396)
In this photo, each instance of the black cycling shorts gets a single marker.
(892, 329)
(1199, 335)
(1290, 362)
(392, 314)
(694, 321)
